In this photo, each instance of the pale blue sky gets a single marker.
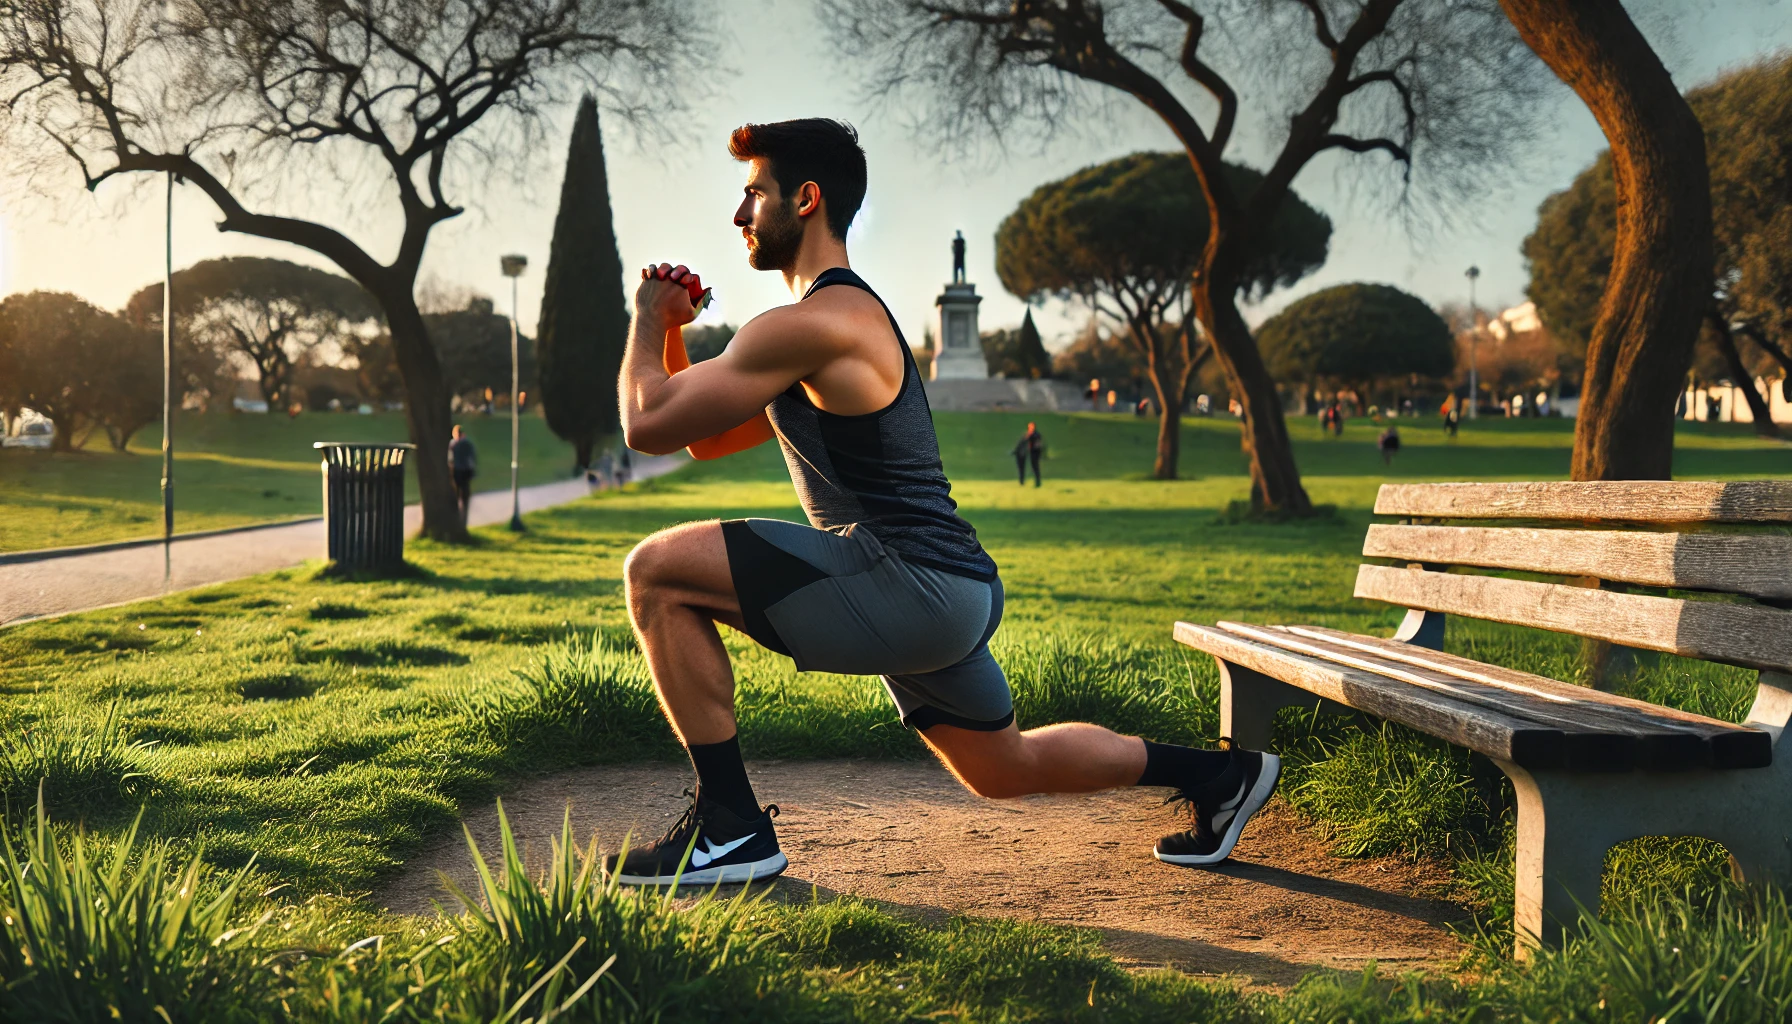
(674, 201)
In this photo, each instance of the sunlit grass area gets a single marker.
(310, 734)
(229, 470)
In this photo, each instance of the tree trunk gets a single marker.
(1169, 392)
(1779, 356)
(1726, 346)
(1275, 480)
(1660, 282)
(64, 439)
(426, 409)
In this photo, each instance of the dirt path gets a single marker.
(908, 835)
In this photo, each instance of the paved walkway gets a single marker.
(79, 582)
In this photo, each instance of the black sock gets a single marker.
(1185, 768)
(722, 776)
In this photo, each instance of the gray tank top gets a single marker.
(880, 471)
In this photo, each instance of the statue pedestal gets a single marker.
(960, 352)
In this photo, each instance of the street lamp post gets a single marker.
(168, 387)
(513, 267)
(1474, 335)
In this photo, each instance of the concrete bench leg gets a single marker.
(1249, 701)
(1422, 629)
(1567, 822)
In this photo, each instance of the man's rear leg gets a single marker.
(1224, 787)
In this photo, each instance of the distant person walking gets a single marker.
(625, 467)
(1331, 419)
(463, 463)
(1389, 443)
(1029, 449)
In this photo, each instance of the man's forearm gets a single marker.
(643, 364)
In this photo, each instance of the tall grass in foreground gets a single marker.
(140, 937)
(1677, 959)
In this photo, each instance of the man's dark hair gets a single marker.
(810, 149)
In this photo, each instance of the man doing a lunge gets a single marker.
(887, 579)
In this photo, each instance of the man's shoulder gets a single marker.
(830, 323)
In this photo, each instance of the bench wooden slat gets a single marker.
(1737, 634)
(1633, 501)
(1589, 743)
(1757, 565)
(1493, 733)
(1732, 745)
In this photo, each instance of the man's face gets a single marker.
(768, 221)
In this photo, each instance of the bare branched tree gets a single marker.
(1438, 90)
(258, 101)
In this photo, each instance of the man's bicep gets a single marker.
(720, 393)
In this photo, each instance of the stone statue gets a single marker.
(958, 259)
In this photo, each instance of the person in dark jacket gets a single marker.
(1389, 443)
(1028, 449)
(463, 463)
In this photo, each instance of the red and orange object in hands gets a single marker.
(750, 434)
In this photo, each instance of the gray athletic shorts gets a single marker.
(842, 602)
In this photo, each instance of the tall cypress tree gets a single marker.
(1033, 356)
(584, 315)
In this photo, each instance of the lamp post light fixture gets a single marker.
(1474, 334)
(513, 267)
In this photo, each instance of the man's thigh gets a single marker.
(844, 603)
(688, 565)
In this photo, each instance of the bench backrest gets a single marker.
(1579, 530)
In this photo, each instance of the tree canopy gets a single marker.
(1357, 334)
(272, 314)
(81, 366)
(1746, 115)
(1132, 229)
(1125, 239)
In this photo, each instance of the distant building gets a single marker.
(1520, 319)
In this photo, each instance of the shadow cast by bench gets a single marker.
(1416, 907)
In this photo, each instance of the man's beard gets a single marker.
(775, 245)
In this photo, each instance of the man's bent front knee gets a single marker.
(685, 565)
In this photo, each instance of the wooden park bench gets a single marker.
(1590, 769)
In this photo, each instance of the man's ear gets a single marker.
(808, 198)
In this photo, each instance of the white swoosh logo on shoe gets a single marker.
(1229, 809)
(701, 858)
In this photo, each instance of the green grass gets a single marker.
(229, 470)
(315, 732)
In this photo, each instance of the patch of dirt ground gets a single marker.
(908, 835)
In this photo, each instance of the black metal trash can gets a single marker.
(364, 503)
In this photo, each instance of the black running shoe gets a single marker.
(707, 844)
(1221, 808)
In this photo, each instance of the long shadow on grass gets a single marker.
(1343, 892)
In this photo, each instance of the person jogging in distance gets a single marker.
(1389, 444)
(886, 578)
(1030, 447)
(463, 464)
